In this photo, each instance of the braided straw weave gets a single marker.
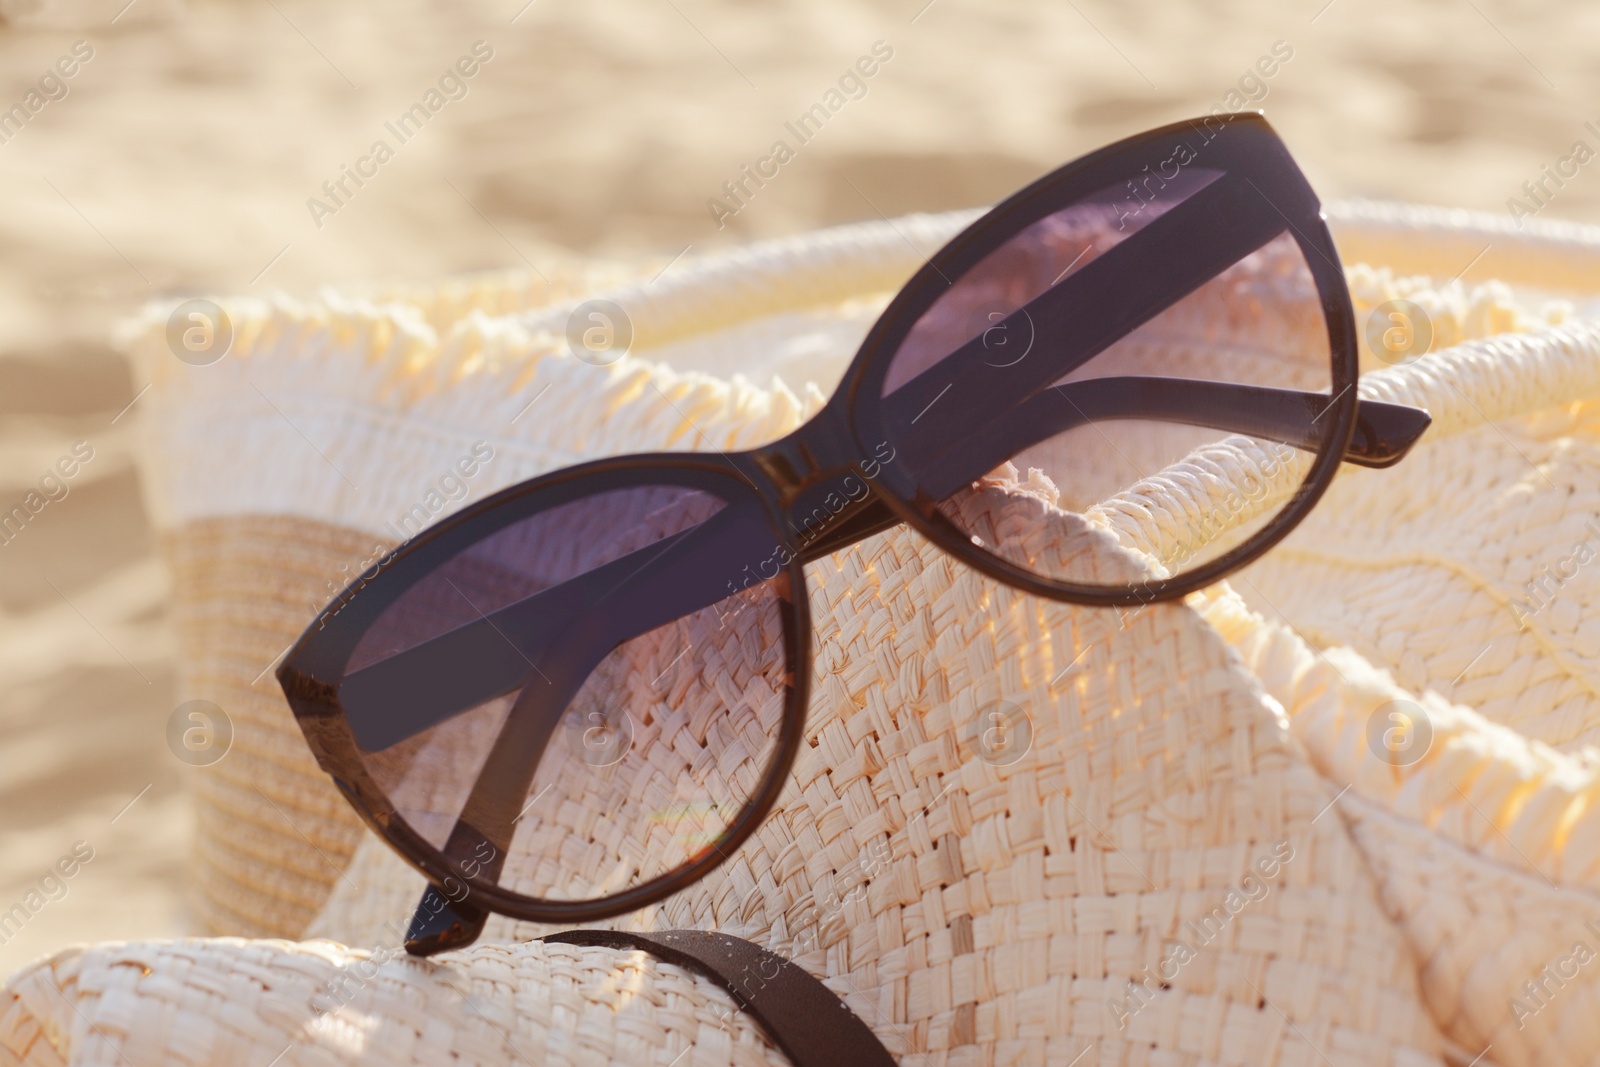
(1198, 860)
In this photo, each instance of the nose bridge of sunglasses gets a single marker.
(825, 490)
(835, 511)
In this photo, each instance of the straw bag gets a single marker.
(1201, 858)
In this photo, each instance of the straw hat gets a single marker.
(1199, 858)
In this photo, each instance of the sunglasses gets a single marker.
(598, 679)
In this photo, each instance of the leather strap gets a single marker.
(802, 1016)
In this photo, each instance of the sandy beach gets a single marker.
(235, 146)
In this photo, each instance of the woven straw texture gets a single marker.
(1200, 859)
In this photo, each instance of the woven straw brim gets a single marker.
(272, 833)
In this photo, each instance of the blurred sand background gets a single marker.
(183, 155)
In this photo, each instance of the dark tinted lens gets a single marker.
(584, 700)
(522, 559)
(1161, 332)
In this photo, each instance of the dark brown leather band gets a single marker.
(802, 1016)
